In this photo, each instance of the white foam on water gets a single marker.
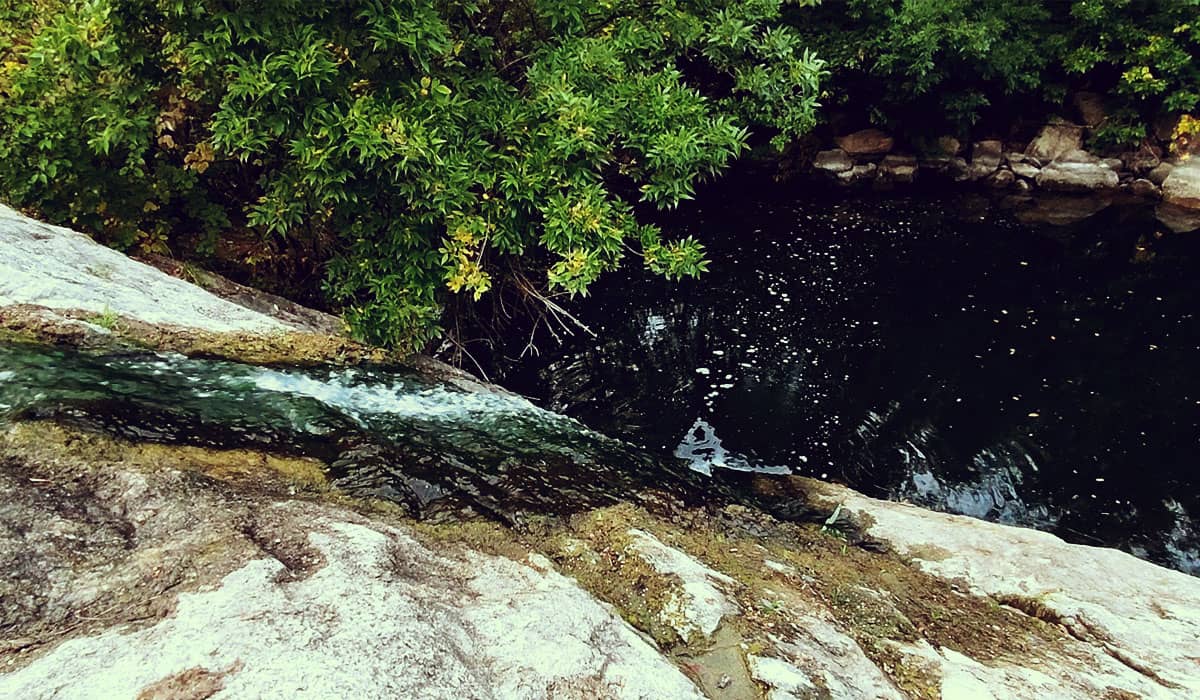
(395, 398)
(703, 451)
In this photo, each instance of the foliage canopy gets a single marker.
(439, 144)
(428, 150)
(929, 65)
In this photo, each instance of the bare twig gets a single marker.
(566, 320)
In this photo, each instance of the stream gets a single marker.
(929, 350)
(439, 449)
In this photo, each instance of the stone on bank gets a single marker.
(1181, 186)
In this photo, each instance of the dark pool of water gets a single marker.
(925, 349)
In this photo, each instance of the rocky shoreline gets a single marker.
(1053, 162)
(151, 571)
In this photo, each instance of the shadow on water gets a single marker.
(932, 350)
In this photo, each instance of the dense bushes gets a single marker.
(440, 144)
(923, 66)
(927, 63)
(421, 149)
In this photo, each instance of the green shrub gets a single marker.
(1149, 49)
(928, 65)
(440, 143)
(924, 66)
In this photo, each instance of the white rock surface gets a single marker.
(700, 606)
(833, 161)
(1083, 675)
(786, 682)
(1181, 186)
(829, 655)
(1074, 176)
(1143, 620)
(384, 617)
(61, 269)
(1025, 170)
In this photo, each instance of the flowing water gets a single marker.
(929, 350)
(392, 433)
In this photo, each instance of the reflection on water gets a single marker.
(1037, 376)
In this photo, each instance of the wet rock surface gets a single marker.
(435, 445)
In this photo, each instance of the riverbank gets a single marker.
(1052, 161)
(260, 576)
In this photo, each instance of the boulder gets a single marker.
(1176, 218)
(986, 157)
(1145, 617)
(955, 168)
(898, 168)
(60, 286)
(1144, 188)
(1182, 186)
(1025, 170)
(1158, 174)
(257, 593)
(1055, 140)
(832, 161)
(989, 151)
(958, 169)
(1079, 155)
(1062, 176)
(1141, 161)
(858, 174)
(1001, 179)
(231, 575)
(1090, 108)
(868, 142)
